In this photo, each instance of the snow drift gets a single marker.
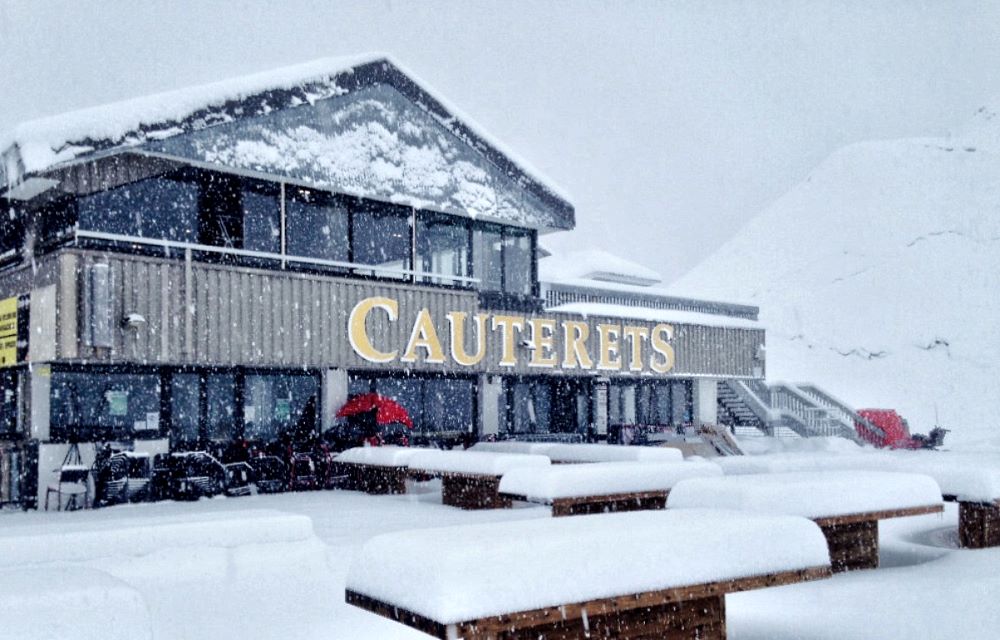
(876, 277)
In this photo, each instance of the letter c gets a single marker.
(357, 329)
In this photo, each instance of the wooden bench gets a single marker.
(471, 479)
(567, 578)
(376, 470)
(601, 487)
(846, 505)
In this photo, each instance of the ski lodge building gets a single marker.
(228, 261)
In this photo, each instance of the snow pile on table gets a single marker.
(220, 545)
(511, 446)
(385, 456)
(463, 573)
(876, 278)
(610, 453)
(48, 603)
(474, 462)
(815, 444)
(812, 495)
(968, 476)
(600, 478)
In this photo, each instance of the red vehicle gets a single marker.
(895, 431)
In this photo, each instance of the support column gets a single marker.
(490, 388)
(334, 395)
(39, 385)
(706, 396)
(599, 406)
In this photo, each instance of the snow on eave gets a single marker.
(42, 144)
(603, 309)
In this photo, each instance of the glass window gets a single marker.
(442, 248)
(448, 405)
(220, 392)
(531, 406)
(97, 405)
(316, 227)
(381, 237)
(261, 221)
(487, 258)
(8, 402)
(358, 386)
(406, 391)
(185, 408)
(517, 261)
(661, 403)
(279, 404)
(155, 208)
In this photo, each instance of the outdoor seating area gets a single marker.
(847, 506)
(669, 581)
(376, 470)
(601, 487)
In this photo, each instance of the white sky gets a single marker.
(670, 123)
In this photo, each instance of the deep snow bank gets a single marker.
(876, 278)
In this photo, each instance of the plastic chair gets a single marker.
(74, 482)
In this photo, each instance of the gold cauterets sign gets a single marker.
(544, 343)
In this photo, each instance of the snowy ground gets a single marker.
(926, 587)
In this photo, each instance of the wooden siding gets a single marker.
(210, 314)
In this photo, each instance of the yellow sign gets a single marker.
(8, 332)
(547, 343)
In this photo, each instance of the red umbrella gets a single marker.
(386, 409)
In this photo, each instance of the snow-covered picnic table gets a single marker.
(567, 453)
(566, 577)
(471, 479)
(376, 469)
(847, 505)
(599, 487)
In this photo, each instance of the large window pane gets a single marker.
(316, 227)
(8, 402)
(517, 261)
(487, 258)
(154, 208)
(279, 404)
(406, 391)
(185, 407)
(261, 221)
(97, 405)
(442, 248)
(220, 390)
(381, 237)
(448, 405)
(531, 406)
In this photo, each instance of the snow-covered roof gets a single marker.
(603, 309)
(596, 264)
(360, 125)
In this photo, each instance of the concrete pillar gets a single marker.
(599, 406)
(334, 395)
(706, 395)
(490, 389)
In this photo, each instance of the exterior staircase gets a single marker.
(780, 408)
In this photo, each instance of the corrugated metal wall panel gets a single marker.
(254, 317)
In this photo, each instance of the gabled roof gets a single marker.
(302, 123)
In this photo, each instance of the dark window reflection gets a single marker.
(98, 405)
(161, 207)
(317, 226)
(381, 236)
(442, 248)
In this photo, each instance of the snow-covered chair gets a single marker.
(74, 484)
(847, 505)
(567, 577)
(600, 487)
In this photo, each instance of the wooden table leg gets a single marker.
(978, 524)
(853, 545)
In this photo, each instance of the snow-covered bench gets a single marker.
(572, 453)
(847, 505)
(376, 470)
(471, 479)
(600, 487)
(977, 492)
(641, 574)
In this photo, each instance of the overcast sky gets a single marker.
(669, 123)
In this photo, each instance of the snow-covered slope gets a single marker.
(878, 278)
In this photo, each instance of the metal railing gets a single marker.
(281, 258)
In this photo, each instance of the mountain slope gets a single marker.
(878, 278)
